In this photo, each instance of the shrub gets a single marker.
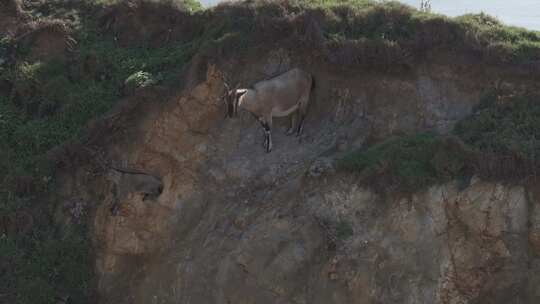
(54, 100)
(408, 163)
(498, 141)
(44, 264)
(498, 41)
(139, 79)
(188, 5)
(505, 127)
(505, 130)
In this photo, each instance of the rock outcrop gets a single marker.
(237, 225)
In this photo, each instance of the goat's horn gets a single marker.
(225, 82)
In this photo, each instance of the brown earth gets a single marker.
(156, 23)
(10, 15)
(237, 225)
(47, 40)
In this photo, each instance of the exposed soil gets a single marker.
(237, 225)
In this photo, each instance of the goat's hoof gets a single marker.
(114, 210)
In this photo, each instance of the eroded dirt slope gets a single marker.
(234, 224)
(237, 225)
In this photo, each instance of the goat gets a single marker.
(285, 94)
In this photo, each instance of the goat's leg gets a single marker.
(267, 134)
(115, 208)
(300, 125)
(269, 146)
(268, 130)
(263, 125)
(302, 112)
(293, 126)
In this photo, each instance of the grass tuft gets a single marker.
(408, 163)
(505, 130)
(510, 126)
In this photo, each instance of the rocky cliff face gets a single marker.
(237, 225)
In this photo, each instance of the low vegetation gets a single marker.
(380, 34)
(408, 163)
(45, 102)
(46, 265)
(506, 127)
(499, 141)
(505, 131)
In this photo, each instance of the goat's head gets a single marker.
(231, 99)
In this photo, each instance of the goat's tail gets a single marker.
(312, 83)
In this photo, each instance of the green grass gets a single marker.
(499, 141)
(117, 64)
(509, 127)
(63, 96)
(186, 5)
(55, 100)
(140, 79)
(407, 163)
(371, 29)
(505, 42)
(45, 264)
